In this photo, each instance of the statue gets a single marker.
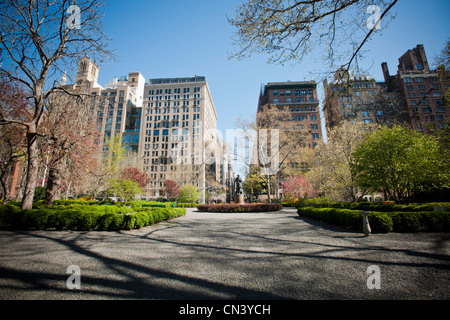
(238, 186)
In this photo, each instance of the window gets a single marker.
(425, 102)
(407, 80)
(421, 87)
(412, 102)
(275, 93)
(426, 110)
(419, 79)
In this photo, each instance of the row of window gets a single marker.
(428, 110)
(186, 96)
(167, 109)
(298, 100)
(175, 90)
(289, 92)
(422, 87)
(419, 79)
(426, 102)
(195, 116)
(301, 109)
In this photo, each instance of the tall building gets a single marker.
(178, 139)
(361, 99)
(301, 100)
(118, 109)
(422, 90)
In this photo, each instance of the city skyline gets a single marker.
(187, 39)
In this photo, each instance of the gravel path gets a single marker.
(258, 256)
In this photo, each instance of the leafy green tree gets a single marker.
(124, 189)
(254, 185)
(401, 161)
(188, 193)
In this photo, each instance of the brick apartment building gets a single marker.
(413, 97)
(301, 100)
(422, 90)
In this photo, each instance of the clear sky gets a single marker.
(180, 38)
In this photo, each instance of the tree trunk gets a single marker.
(33, 163)
(268, 190)
(53, 185)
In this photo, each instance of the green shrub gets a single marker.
(74, 216)
(187, 205)
(381, 222)
(249, 207)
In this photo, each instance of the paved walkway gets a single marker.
(225, 256)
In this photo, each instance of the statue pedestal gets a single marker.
(366, 226)
(239, 199)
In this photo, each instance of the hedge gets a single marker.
(369, 206)
(187, 205)
(381, 222)
(249, 207)
(82, 218)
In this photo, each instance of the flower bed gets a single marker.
(248, 207)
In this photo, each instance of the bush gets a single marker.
(381, 222)
(187, 205)
(83, 218)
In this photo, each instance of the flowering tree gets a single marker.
(297, 187)
(68, 140)
(171, 189)
(136, 175)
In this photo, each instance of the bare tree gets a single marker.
(40, 40)
(289, 30)
(269, 145)
(70, 138)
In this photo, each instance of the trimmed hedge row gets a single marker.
(370, 206)
(83, 218)
(249, 207)
(187, 205)
(381, 222)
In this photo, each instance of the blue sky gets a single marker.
(180, 38)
